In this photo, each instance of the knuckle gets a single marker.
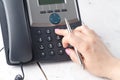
(86, 47)
(63, 40)
(76, 33)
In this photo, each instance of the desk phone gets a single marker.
(28, 29)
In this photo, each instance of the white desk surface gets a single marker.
(101, 15)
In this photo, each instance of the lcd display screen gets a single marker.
(46, 2)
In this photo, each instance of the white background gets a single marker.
(103, 16)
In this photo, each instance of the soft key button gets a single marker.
(55, 18)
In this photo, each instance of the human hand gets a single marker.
(96, 57)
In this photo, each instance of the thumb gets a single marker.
(72, 55)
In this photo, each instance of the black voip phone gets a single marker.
(28, 29)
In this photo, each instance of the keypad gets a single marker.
(47, 45)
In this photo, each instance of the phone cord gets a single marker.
(1, 49)
(42, 70)
(21, 66)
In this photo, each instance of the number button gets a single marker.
(59, 45)
(60, 52)
(48, 31)
(52, 53)
(38, 32)
(41, 47)
(49, 38)
(40, 40)
(58, 37)
(42, 54)
(50, 46)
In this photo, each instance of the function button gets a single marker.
(42, 12)
(58, 37)
(49, 38)
(42, 54)
(64, 10)
(55, 18)
(39, 32)
(48, 31)
(57, 10)
(52, 53)
(50, 46)
(41, 47)
(61, 52)
(40, 40)
(59, 45)
(50, 11)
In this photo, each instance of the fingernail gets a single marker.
(67, 51)
(56, 30)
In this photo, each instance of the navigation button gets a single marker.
(55, 18)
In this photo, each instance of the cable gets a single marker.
(42, 71)
(1, 49)
(19, 76)
(22, 71)
(21, 66)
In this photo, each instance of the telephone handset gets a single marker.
(28, 29)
